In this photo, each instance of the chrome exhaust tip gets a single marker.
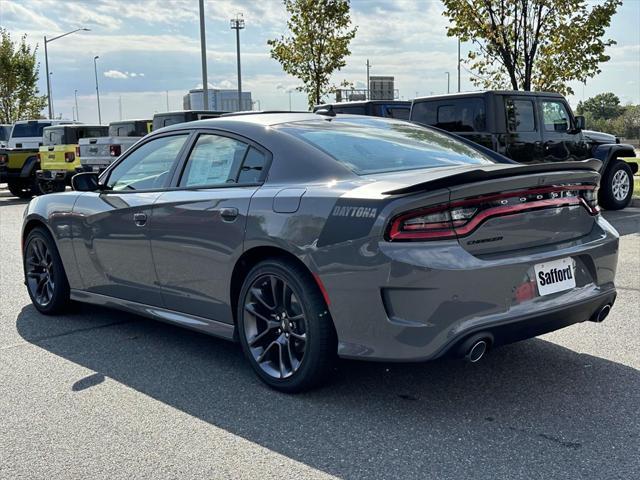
(601, 314)
(477, 351)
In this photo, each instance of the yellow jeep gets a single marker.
(60, 155)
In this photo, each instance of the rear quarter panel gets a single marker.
(55, 212)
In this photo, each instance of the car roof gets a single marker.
(258, 119)
(364, 102)
(74, 125)
(119, 122)
(478, 93)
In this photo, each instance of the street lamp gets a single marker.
(75, 94)
(203, 54)
(448, 81)
(46, 63)
(237, 24)
(95, 68)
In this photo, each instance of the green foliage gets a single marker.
(603, 106)
(320, 33)
(604, 113)
(19, 99)
(532, 44)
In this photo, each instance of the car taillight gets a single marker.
(461, 218)
(77, 150)
(69, 157)
(4, 159)
(114, 150)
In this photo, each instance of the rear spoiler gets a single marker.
(480, 174)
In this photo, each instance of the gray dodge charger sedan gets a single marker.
(310, 236)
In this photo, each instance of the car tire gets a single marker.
(44, 273)
(616, 186)
(20, 189)
(271, 331)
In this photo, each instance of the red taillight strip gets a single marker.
(512, 209)
(448, 230)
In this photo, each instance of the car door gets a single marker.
(561, 140)
(198, 227)
(111, 240)
(523, 141)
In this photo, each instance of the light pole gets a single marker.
(95, 68)
(448, 82)
(458, 65)
(203, 54)
(368, 96)
(46, 63)
(237, 24)
(75, 94)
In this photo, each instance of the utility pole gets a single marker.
(203, 54)
(368, 82)
(459, 65)
(46, 64)
(290, 100)
(95, 68)
(448, 82)
(120, 107)
(168, 100)
(75, 94)
(237, 24)
(51, 111)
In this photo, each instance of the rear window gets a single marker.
(31, 129)
(71, 135)
(371, 145)
(401, 113)
(128, 129)
(455, 115)
(5, 132)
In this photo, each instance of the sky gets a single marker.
(150, 51)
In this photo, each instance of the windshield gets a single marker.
(369, 145)
(31, 129)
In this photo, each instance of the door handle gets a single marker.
(140, 219)
(229, 214)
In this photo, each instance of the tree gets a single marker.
(603, 106)
(532, 44)
(320, 33)
(19, 95)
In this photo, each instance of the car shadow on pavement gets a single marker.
(530, 407)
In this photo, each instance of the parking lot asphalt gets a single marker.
(103, 394)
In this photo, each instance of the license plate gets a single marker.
(556, 276)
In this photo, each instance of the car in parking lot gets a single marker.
(532, 127)
(399, 109)
(60, 154)
(307, 236)
(99, 151)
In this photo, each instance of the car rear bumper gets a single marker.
(428, 299)
(55, 175)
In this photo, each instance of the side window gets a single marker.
(253, 167)
(520, 115)
(456, 115)
(148, 166)
(214, 160)
(555, 115)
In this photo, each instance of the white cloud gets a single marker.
(115, 74)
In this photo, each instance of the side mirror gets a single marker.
(580, 122)
(85, 182)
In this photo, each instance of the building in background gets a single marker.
(380, 88)
(219, 100)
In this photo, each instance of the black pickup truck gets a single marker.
(532, 127)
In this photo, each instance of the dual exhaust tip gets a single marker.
(477, 346)
(601, 314)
